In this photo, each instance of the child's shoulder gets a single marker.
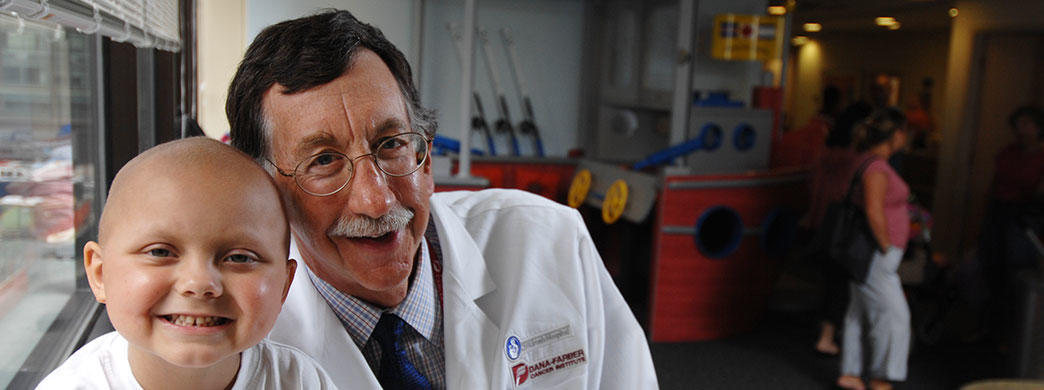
(99, 364)
(273, 365)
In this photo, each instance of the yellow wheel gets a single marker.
(578, 190)
(615, 201)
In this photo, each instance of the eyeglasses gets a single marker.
(327, 173)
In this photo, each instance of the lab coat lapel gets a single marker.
(309, 323)
(468, 331)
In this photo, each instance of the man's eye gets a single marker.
(324, 159)
(159, 252)
(392, 143)
(240, 258)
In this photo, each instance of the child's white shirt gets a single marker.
(103, 364)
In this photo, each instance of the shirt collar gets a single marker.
(359, 318)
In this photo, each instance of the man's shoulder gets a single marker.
(471, 203)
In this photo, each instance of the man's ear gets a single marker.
(92, 263)
(291, 268)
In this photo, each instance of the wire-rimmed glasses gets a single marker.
(326, 173)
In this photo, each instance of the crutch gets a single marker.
(528, 124)
(504, 123)
(478, 122)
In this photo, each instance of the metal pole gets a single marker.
(466, 76)
(682, 101)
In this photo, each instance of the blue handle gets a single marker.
(669, 153)
(450, 144)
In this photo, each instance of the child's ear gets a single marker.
(92, 263)
(291, 267)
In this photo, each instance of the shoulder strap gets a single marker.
(857, 176)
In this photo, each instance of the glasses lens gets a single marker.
(402, 154)
(324, 173)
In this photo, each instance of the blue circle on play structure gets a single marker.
(710, 136)
(719, 231)
(744, 137)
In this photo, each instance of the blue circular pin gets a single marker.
(513, 347)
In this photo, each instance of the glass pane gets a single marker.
(48, 189)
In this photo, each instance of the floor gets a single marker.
(778, 354)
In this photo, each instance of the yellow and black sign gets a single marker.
(747, 37)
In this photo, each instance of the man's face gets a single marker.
(192, 270)
(350, 115)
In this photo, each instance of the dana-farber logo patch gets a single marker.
(544, 356)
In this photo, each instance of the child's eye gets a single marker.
(240, 258)
(160, 252)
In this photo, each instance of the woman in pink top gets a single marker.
(830, 179)
(877, 307)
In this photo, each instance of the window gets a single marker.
(50, 189)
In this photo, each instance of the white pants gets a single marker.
(877, 310)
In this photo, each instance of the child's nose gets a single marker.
(199, 279)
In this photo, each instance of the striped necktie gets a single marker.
(396, 373)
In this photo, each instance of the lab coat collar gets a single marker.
(467, 327)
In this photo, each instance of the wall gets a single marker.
(548, 41)
(227, 27)
(220, 27)
(912, 56)
(393, 17)
(958, 119)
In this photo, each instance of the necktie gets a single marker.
(396, 372)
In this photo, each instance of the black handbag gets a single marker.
(847, 239)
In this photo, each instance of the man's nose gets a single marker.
(198, 278)
(369, 194)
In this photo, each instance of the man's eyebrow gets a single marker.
(314, 141)
(390, 125)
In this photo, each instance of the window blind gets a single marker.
(144, 23)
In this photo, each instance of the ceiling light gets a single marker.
(813, 27)
(884, 21)
(895, 26)
(799, 40)
(954, 12)
(777, 10)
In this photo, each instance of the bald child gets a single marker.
(191, 263)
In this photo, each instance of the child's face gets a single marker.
(192, 271)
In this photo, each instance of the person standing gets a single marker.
(831, 177)
(1016, 198)
(877, 307)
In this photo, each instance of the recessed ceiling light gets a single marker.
(813, 27)
(894, 26)
(799, 40)
(777, 10)
(884, 21)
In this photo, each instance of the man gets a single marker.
(401, 288)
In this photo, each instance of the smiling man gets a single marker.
(401, 288)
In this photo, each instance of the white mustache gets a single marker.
(362, 226)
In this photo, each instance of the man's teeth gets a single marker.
(374, 235)
(184, 320)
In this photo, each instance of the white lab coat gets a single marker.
(514, 265)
